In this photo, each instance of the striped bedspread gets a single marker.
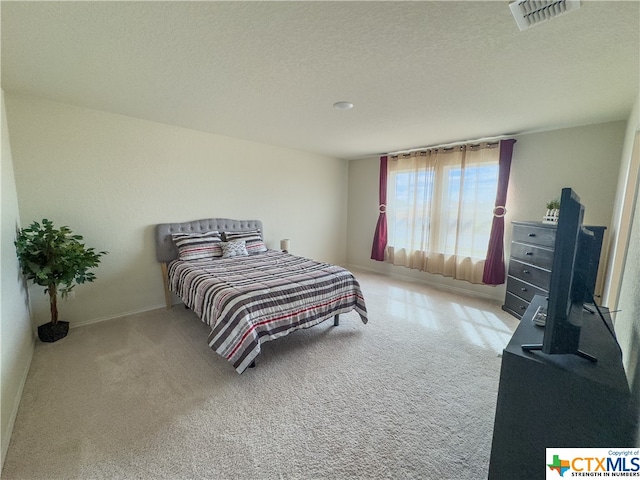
(250, 300)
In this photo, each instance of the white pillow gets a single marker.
(252, 238)
(235, 248)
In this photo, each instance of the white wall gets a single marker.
(628, 178)
(627, 320)
(111, 178)
(15, 323)
(584, 158)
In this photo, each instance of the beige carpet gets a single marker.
(410, 395)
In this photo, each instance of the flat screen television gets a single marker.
(570, 278)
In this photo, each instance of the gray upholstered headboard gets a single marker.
(166, 249)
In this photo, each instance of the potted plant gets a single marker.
(56, 259)
(553, 211)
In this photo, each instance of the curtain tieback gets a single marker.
(497, 208)
(382, 208)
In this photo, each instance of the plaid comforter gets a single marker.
(250, 300)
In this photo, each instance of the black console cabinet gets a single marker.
(531, 260)
(558, 401)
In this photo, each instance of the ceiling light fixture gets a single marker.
(343, 105)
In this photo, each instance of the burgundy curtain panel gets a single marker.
(494, 270)
(380, 236)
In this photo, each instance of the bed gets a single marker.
(247, 293)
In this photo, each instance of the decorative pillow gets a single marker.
(196, 246)
(236, 248)
(252, 238)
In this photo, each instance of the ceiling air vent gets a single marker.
(532, 12)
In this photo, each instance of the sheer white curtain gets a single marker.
(440, 208)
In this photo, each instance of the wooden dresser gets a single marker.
(531, 261)
(558, 401)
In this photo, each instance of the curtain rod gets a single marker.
(447, 146)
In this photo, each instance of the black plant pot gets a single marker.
(49, 332)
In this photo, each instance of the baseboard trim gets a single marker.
(114, 317)
(406, 278)
(6, 435)
(436, 285)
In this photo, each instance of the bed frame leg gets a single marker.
(165, 280)
(253, 364)
(336, 320)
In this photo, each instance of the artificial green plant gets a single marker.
(56, 259)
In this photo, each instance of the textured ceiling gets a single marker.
(419, 73)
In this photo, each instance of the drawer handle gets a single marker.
(523, 289)
(529, 253)
(532, 234)
(525, 271)
(522, 307)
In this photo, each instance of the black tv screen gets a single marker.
(568, 288)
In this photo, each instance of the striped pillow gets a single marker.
(196, 246)
(252, 238)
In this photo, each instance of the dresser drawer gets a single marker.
(515, 305)
(539, 256)
(530, 273)
(524, 290)
(536, 235)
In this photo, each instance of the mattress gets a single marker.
(254, 299)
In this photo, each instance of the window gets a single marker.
(439, 209)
